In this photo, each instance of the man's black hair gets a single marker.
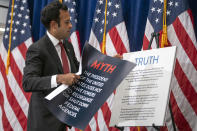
(51, 12)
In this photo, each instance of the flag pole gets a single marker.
(10, 40)
(164, 42)
(164, 39)
(104, 34)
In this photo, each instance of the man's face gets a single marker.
(63, 30)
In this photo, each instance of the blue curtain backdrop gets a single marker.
(135, 13)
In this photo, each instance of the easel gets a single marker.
(120, 128)
(156, 36)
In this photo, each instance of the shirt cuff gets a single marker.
(53, 81)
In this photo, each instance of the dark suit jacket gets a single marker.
(42, 61)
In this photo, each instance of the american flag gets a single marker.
(14, 101)
(116, 35)
(117, 42)
(74, 37)
(180, 31)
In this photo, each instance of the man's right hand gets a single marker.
(67, 79)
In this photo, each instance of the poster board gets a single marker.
(141, 99)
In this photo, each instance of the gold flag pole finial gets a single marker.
(104, 34)
(60, 1)
(10, 39)
(164, 39)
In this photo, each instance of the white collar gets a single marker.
(53, 39)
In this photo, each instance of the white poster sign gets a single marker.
(141, 99)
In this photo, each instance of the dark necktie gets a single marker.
(64, 59)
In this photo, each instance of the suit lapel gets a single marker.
(53, 53)
(67, 50)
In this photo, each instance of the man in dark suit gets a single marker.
(49, 63)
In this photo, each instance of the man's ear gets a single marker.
(53, 26)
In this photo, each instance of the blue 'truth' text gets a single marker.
(147, 60)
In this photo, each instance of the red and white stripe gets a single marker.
(184, 85)
(75, 40)
(14, 102)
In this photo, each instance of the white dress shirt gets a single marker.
(58, 49)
